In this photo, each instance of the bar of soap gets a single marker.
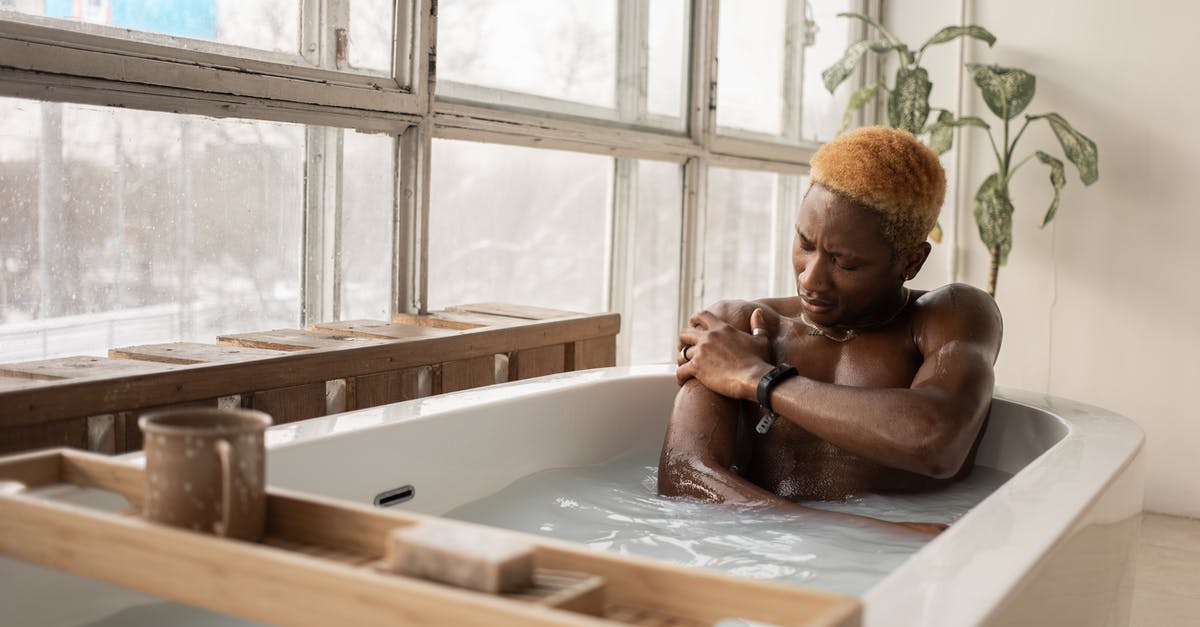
(460, 556)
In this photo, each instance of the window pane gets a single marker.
(748, 234)
(652, 319)
(125, 227)
(821, 111)
(517, 225)
(563, 56)
(367, 217)
(668, 43)
(750, 49)
(563, 49)
(371, 35)
(272, 25)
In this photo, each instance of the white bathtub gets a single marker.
(1053, 545)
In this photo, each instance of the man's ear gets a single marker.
(915, 259)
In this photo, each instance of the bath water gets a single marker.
(614, 506)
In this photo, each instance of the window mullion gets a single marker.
(322, 217)
(621, 250)
(703, 85)
(691, 271)
(633, 32)
(793, 70)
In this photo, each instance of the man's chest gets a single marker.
(868, 360)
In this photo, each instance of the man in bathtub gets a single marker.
(857, 383)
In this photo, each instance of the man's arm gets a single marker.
(927, 428)
(699, 449)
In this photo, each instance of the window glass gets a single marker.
(563, 55)
(831, 35)
(750, 66)
(272, 25)
(667, 64)
(267, 25)
(748, 234)
(368, 204)
(370, 45)
(652, 320)
(518, 225)
(564, 49)
(123, 227)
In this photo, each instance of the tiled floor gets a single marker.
(1166, 588)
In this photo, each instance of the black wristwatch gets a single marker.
(765, 385)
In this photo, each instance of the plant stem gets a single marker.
(994, 271)
(1019, 163)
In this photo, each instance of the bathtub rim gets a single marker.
(950, 596)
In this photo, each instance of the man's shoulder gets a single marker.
(957, 312)
(738, 311)
(955, 296)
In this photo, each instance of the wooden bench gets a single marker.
(94, 402)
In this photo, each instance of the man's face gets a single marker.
(846, 273)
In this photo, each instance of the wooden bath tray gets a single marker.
(316, 564)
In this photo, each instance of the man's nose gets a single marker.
(814, 277)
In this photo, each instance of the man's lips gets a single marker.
(816, 305)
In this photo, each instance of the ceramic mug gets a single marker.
(206, 470)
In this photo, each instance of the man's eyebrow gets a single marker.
(842, 254)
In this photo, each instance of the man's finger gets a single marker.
(703, 319)
(758, 326)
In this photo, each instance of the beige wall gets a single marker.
(1103, 305)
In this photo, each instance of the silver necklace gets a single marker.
(849, 334)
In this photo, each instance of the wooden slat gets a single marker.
(190, 353)
(80, 367)
(513, 311)
(598, 352)
(459, 320)
(21, 383)
(290, 404)
(386, 387)
(464, 374)
(204, 381)
(296, 340)
(379, 329)
(71, 432)
(536, 362)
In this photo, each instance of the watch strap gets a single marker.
(765, 385)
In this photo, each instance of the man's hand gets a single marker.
(726, 360)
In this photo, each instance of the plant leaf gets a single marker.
(1079, 149)
(879, 27)
(951, 33)
(969, 120)
(941, 132)
(1058, 179)
(908, 102)
(845, 66)
(857, 100)
(1007, 91)
(993, 216)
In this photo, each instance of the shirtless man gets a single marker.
(891, 386)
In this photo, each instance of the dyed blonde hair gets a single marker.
(888, 171)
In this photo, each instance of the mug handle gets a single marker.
(225, 454)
